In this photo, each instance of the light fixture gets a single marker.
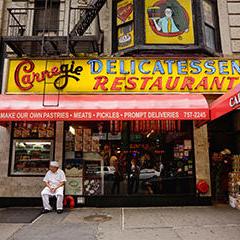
(37, 143)
(72, 130)
(149, 134)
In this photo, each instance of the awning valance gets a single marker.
(103, 107)
(226, 103)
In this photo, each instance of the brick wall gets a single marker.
(229, 21)
(234, 23)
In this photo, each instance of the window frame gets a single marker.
(215, 28)
(51, 25)
(12, 153)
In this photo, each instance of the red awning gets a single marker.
(226, 103)
(104, 107)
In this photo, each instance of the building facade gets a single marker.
(139, 156)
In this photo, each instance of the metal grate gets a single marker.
(88, 14)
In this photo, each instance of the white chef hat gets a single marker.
(54, 164)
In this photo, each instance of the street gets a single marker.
(168, 223)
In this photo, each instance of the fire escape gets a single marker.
(75, 32)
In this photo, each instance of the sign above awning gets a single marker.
(104, 107)
(226, 103)
(122, 75)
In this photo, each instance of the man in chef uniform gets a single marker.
(54, 181)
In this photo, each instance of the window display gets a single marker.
(31, 157)
(32, 147)
(131, 157)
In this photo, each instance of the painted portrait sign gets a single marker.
(124, 11)
(169, 22)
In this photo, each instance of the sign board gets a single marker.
(169, 22)
(74, 186)
(126, 36)
(124, 11)
(79, 115)
(122, 75)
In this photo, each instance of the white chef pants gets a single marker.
(45, 198)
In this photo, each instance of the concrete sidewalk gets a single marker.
(180, 223)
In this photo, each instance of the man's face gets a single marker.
(168, 12)
(53, 169)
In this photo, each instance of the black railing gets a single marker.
(24, 22)
(41, 31)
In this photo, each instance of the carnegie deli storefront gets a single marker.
(124, 129)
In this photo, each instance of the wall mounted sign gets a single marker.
(115, 75)
(228, 102)
(126, 36)
(124, 11)
(74, 186)
(169, 22)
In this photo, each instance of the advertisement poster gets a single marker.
(93, 178)
(169, 22)
(124, 11)
(74, 186)
(126, 36)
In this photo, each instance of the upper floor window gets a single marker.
(46, 16)
(210, 23)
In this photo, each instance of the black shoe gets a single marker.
(45, 211)
(59, 211)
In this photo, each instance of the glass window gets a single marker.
(48, 17)
(209, 10)
(210, 37)
(32, 147)
(130, 157)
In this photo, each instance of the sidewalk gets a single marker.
(181, 223)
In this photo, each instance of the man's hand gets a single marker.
(53, 190)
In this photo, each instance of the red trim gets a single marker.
(226, 103)
(104, 107)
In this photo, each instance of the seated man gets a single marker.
(54, 180)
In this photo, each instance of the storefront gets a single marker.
(123, 129)
(224, 141)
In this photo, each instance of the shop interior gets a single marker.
(129, 158)
(32, 148)
(224, 140)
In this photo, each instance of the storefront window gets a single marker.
(129, 158)
(32, 147)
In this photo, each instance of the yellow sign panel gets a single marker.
(126, 36)
(124, 11)
(108, 75)
(169, 22)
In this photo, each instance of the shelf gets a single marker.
(34, 160)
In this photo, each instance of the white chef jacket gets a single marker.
(54, 179)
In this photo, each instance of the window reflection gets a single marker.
(130, 157)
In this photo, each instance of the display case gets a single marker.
(31, 157)
(32, 147)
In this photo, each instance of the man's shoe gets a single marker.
(59, 211)
(45, 211)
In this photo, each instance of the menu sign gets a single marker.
(93, 181)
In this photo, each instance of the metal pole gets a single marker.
(44, 27)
